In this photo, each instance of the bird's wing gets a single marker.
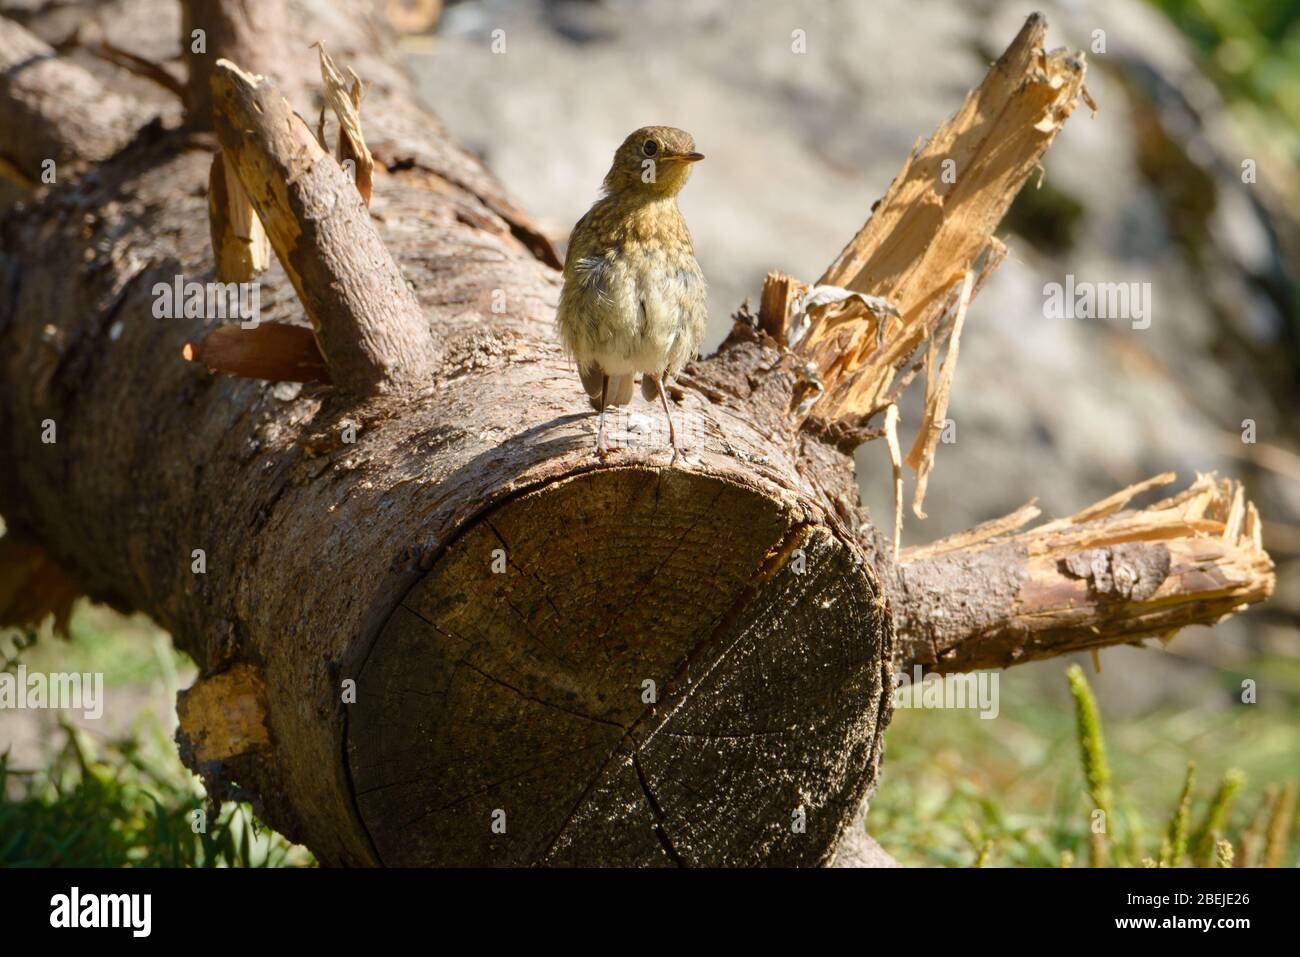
(692, 306)
(697, 309)
(568, 253)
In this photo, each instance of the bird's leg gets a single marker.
(600, 432)
(672, 432)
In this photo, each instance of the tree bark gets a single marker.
(54, 112)
(432, 627)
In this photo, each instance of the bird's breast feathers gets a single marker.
(634, 305)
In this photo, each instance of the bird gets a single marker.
(634, 298)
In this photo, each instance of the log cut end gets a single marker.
(630, 666)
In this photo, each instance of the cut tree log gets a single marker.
(431, 626)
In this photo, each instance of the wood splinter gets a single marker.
(933, 228)
(368, 326)
(345, 100)
(239, 243)
(273, 351)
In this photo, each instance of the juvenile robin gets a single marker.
(634, 296)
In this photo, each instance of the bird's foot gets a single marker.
(602, 449)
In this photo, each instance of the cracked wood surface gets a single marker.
(525, 690)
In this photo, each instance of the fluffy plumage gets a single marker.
(634, 297)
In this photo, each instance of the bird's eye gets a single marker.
(650, 148)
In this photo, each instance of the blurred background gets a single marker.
(1186, 178)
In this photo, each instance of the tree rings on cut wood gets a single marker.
(630, 666)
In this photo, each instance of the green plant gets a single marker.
(1205, 845)
(108, 806)
(1024, 790)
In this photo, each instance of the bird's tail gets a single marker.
(618, 392)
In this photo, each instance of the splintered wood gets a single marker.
(1105, 575)
(242, 246)
(239, 243)
(928, 247)
(936, 222)
(345, 100)
(370, 332)
(938, 387)
(275, 351)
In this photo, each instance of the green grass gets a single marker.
(108, 806)
(120, 798)
(1022, 789)
(1251, 48)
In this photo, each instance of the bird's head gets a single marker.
(654, 161)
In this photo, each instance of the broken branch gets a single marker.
(932, 229)
(368, 324)
(1101, 577)
(936, 223)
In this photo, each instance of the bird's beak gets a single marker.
(685, 157)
